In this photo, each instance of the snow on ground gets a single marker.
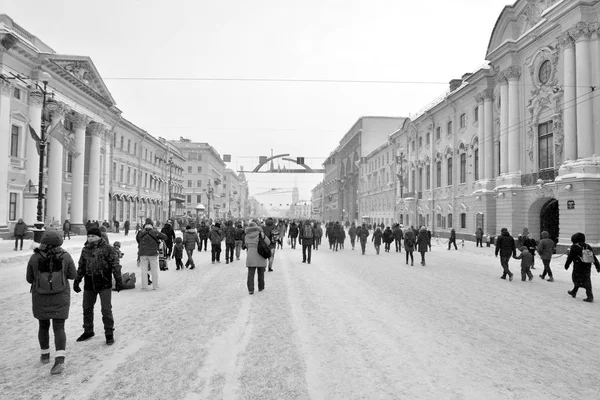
(347, 326)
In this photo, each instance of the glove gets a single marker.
(76, 287)
(119, 286)
(566, 267)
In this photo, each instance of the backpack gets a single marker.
(409, 242)
(49, 276)
(307, 232)
(587, 255)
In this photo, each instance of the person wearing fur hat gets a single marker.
(48, 271)
(254, 261)
(98, 264)
(148, 240)
(582, 256)
(505, 246)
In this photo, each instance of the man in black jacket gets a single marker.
(505, 245)
(170, 234)
(203, 233)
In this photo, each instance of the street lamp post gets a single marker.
(401, 160)
(170, 188)
(43, 143)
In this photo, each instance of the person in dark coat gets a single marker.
(526, 260)
(330, 235)
(51, 308)
(531, 245)
(216, 236)
(340, 238)
(582, 256)
(546, 248)
(190, 240)
(229, 235)
(376, 239)
(293, 234)
(239, 236)
(398, 236)
(318, 235)
(98, 264)
(422, 244)
(388, 238)
(126, 227)
(362, 233)
(117, 224)
(149, 242)
(478, 237)
(169, 232)
(66, 229)
(19, 233)
(452, 239)
(271, 232)
(307, 235)
(505, 246)
(255, 263)
(409, 245)
(203, 233)
(352, 234)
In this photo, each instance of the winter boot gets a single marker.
(85, 336)
(59, 366)
(572, 293)
(551, 279)
(589, 299)
(110, 339)
(45, 357)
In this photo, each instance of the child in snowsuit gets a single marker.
(526, 261)
(178, 253)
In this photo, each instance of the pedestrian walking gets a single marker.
(216, 236)
(531, 245)
(352, 234)
(169, 232)
(526, 260)
(270, 231)
(293, 234)
(148, 240)
(282, 228)
(117, 224)
(318, 235)
(546, 248)
(452, 239)
(376, 239)
(409, 245)
(48, 271)
(98, 264)
(178, 253)
(398, 236)
(362, 233)
(255, 263)
(229, 233)
(340, 238)
(239, 239)
(66, 229)
(388, 238)
(126, 227)
(582, 256)
(307, 235)
(19, 233)
(422, 243)
(190, 240)
(505, 246)
(203, 233)
(478, 237)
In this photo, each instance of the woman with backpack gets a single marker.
(255, 263)
(409, 245)
(48, 270)
(582, 256)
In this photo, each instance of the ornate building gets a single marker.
(376, 191)
(514, 144)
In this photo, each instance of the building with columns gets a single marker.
(97, 165)
(516, 143)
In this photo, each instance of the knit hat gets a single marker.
(51, 238)
(148, 222)
(578, 238)
(251, 224)
(117, 244)
(94, 231)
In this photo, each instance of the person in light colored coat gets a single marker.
(254, 261)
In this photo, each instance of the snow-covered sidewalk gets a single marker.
(346, 326)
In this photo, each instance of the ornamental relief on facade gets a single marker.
(533, 12)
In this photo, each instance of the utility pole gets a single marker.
(208, 196)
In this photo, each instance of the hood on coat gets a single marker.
(253, 231)
(545, 235)
(578, 238)
(504, 232)
(269, 222)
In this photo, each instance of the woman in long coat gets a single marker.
(422, 244)
(377, 235)
(409, 245)
(51, 307)
(254, 261)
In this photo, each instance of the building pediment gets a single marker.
(82, 73)
(517, 19)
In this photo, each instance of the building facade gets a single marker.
(377, 185)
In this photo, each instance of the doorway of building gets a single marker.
(549, 219)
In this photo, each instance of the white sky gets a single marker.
(359, 40)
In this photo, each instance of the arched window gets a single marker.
(546, 145)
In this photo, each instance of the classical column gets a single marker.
(78, 168)
(514, 145)
(569, 103)
(488, 132)
(55, 166)
(32, 158)
(5, 93)
(596, 78)
(96, 132)
(501, 80)
(481, 135)
(583, 75)
(107, 173)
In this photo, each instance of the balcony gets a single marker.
(547, 175)
(408, 194)
(178, 197)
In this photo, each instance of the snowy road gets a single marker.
(344, 327)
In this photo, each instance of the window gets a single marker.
(189, 198)
(439, 220)
(69, 162)
(428, 138)
(420, 141)
(463, 168)
(428, 183)
(129, 145)
(12, 207)
(476, 166)
(135, 149)
(122, 143)
(463, 120)
(14, 141)
(414, 183)
(419, 185)
(121, 173)
(128, 175)
(438, 133)
(17, 94)
(135, 177)
(438, 174)
(199, 169)
(449, 220)
(198, 183)
(413, 145)
(463, 221)
(145, 154)
(198, 198)
(145, 179)
(193, 156)
(476, 114)
(449, 128)
(189, 183)
(546, 145)
(189, 169)
(449, 171)
(114, 171)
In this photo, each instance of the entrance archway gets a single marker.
(549, 219)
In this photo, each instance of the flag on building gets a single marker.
(65, 138)
(35, 138)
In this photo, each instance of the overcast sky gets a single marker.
(424, 42)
